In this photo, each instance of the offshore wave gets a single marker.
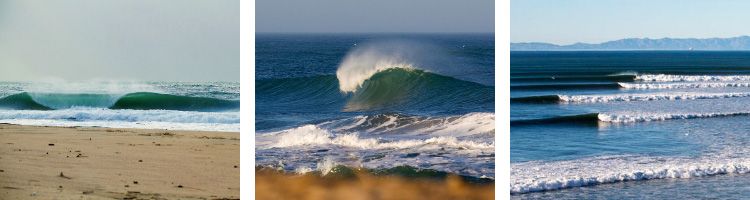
(596, 118)
(135, 101)
(545, 176)
(401, 74)
(573, 78)
(624, 97)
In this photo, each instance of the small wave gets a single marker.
(647, 117)
(681, 85)
(624, 97)
(545, 176)
(585, 119)
(573, 86)
(596, 118)
(688, 78)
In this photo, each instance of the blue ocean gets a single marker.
(423, 102)
(630, 124)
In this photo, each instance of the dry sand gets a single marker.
(273, 185)
(105, 163)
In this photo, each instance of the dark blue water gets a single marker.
(376, 101)
(587, 119)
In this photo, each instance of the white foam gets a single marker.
(647, 97)
(688, 78)
(463, 125)
(646, 117)
(469, 124)
(326, 165)
(544, 176)
(681, 85)
(311, 135)
(156, 119)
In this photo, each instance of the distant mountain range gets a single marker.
(734, 43)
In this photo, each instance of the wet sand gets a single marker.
(272, 185)
(106, 163)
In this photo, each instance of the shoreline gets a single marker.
(105, 163)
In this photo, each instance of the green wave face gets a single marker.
(407, 87)
(153, 101)
(63, 101)
(21, 101)
(136, 101)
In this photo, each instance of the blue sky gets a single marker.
(595, 21)
(374, 16)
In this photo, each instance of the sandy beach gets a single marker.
(106, 163)
(275, 185)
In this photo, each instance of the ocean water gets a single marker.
(210, 106)
(630, 124)
(378, 101)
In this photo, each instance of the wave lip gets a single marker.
(688, 78)
(362, 63)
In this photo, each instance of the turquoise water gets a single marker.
(597, 124)
(209, 106)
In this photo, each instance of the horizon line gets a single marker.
(374, 32)
(699, 38)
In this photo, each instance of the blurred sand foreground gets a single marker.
(273, 185)
(105, 163)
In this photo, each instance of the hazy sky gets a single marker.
(374, 16)
(594, 21)
(182, 40)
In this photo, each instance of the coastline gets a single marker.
(105, 163)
